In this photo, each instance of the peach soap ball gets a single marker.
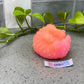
(51, 43)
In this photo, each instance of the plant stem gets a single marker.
(33, 23)
(76, 27)
(43, 24)
(26, 31)
(11, 38)
(19, 25)
(2, 41)
(21, 34)
(21, 31)
(76, 30)
(43, 18)
(65, 25)
(17, 35)
(27, 23)
(80, 26)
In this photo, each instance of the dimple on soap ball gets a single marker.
(51, 43)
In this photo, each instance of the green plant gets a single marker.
(63, 17)
(21, 16)
(49, 17)
(78, 19)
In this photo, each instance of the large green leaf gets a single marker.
(20, 16)
(18, 12)
(38, 16)
(83, 12)
(49, 17)
(78, 19)
(19, 8)
(27, 11)
(4, 32)
(2, 35)
(67, 14)
(63, 16)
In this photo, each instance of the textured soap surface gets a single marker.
(51, 43)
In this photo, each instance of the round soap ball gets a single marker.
(51, 43)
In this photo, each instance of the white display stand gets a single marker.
(9, 6)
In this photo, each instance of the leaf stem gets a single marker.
(65, 25)
(11, 38)
(76, 30)
(33, 22)
(76, 27)
(80, 26)
(26, 31)
(17, 34)
(21, 31)
(27, 23)
(19, 25)
(2, 41)
(44, 18)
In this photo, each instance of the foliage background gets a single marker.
(52, 6)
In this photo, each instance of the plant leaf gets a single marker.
(63, 16)
(78, 19)
(67, 14)
(38, 16)
(27, 11)
(17, 13)
(2, 35)
(20, 16)
(49, 17)
(83, 12)
(19, 8)
(5, 30)
(43, 14)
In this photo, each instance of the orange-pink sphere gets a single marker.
(51, 43)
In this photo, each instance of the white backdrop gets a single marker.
(9, 6)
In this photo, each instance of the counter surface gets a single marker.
(19, 64)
